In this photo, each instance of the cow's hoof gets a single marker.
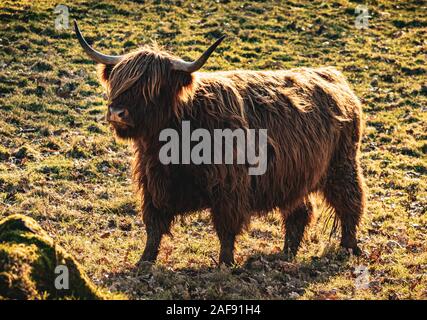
(355, 250)
(226, 258)
(226, 262)
(289, 254)
(144, 263)
(289, 257)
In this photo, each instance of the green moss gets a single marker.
(28, 258)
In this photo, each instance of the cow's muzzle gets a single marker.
(119, 116)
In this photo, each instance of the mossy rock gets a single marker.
(28, 258)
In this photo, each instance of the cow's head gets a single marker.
(145, 87)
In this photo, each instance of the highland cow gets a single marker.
(314, 125)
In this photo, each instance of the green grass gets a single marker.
(60, 164)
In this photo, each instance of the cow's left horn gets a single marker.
(196, 65)
(92, 53)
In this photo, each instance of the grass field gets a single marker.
(60, 164)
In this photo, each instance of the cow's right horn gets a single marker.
(92, 53)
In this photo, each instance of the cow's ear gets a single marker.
(104, 71)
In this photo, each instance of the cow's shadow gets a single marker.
(263, 276)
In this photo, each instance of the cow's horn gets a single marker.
(95, 55)
(196, 65)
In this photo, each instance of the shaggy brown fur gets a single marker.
(314, 129)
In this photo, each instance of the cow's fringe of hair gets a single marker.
(331, 221)
(134, 65)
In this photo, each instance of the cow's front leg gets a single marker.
(157, 223)
(228, 223)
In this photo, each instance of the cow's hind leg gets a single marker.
(345, 193)
(295, 223)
